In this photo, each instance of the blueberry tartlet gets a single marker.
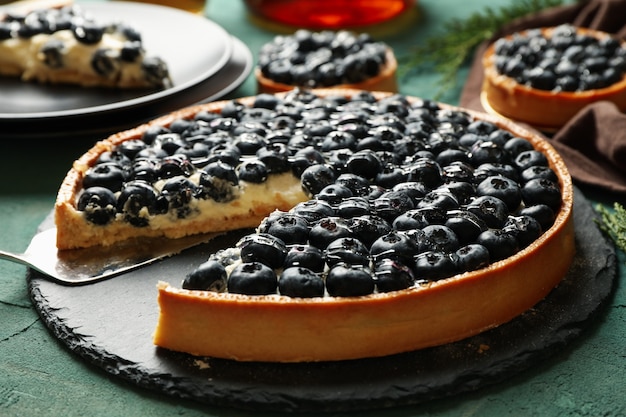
(326, 60)
(543, 77)
(384, 223)
(66, 45)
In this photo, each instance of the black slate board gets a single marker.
(110, 323)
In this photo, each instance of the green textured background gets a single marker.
(39, 377)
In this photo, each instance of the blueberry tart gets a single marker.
(543, 77)
(62, 44)
(326, 59)
(383, 223)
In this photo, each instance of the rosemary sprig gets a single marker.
(447, 52)
(613, 223)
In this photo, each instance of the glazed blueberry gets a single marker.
(334, 193)
(526, 229)
(486, 152)
(440, 198)
(528, 159)
(107, 175)
(434, 265)
(98, 204)
(252, 278)
(88, 32)
(52, 53)
(359, 186)
(542, 191)
(540, 212)
(136, 201)
(353, 207)
(264, 248)
(316, 177)
(313, 210)
(179, 192)
(489, 209)
(500, 243)
(368, 228)
(392, 204)
(534, 172)
(440, 238)
(365, 164)
(472, 257)
(347, 250)
(393, 276)
(328, 230)
(426, 171)
(253, 171)
(503, 188)
(288, 227)
(275, 157)
(174, 166)
(465, 225)
(304, 158)
(394, 245)
(300, 282)
(305, 256)
(349, 281)
(208, 276)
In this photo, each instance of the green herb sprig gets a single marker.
(447, 52)
(613, 223)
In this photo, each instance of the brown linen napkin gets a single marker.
(593, 143)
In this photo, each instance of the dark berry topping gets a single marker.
(298, 281)
(209, 276)
(252, 278)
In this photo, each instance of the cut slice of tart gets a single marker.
(326, 60)
(543, 77)
(62, 44)
(384, 223)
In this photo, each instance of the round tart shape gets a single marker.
(344, 60)
(280, 328)
(567, 48)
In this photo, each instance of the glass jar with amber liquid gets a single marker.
(328, 14)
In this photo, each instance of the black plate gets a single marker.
(195, 48)
(110, 324)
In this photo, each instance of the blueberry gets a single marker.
(526, 229)
(179, 192)
(353, 207)
(334, 193)
(313, 210)
(489, 209)
(368, 228)
(472, 257)
(540, 212)
(527, 159)
(107, 175)
(300, 282)
(328, 230)
(349, 281)
(305, 256)
(392, 204)
(52, 52)
(275, 157)
(503, 188)
(465, 224)
(359, 186)
(347, 250)
(305, 158)
(174, 166)
(264, 248)
(98, 204)
(500, 243)
(252, 278)
(88, 32)
(208, 276)
(137, 200)
(486, 152)
(434, 265)
(253, 171)
(316, 177)
(130, 51)
(440, 238)
(288, 227)
(338, 140)
(394, 245)
(393, 276)
(440, 198)
(542, 191)
(426, 171)
(365, 164)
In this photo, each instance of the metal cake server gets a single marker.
(83, 266)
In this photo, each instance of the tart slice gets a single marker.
(326, 60)
(65, 45)
(543, 77)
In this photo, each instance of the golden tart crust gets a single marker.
(384, 81)
(282, 329)
(546, 110)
